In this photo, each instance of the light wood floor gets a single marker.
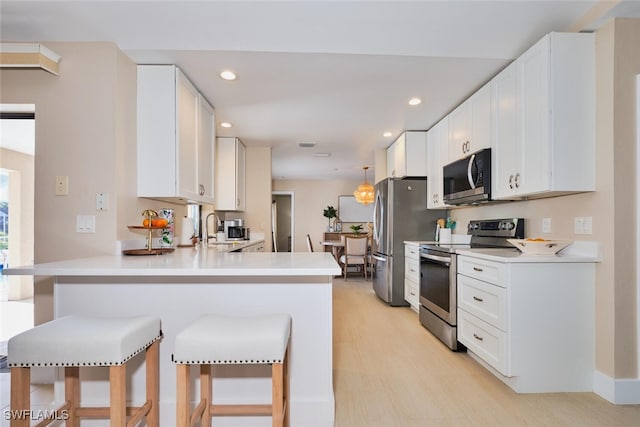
(390, 371)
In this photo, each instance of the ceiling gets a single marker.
(339, 74)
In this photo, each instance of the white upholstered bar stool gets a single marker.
(233, 340)
(73, 342)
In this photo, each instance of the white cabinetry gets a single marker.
(544, 120)
(437, 157)
(470, 125)
(230, 174)
(532, 324)
(412, 275)
(407, 156)
(176, 137)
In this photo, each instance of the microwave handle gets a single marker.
(472, 183)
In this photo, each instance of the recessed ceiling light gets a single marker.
(306, 144)
(228, 75)
(387, 134)
(415, 101)
(225, 125)
(323, 154)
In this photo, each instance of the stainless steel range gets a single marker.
(438, 270)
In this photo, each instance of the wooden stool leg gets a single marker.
(118, 395)
(152, 361)
(182, 398)
(286, 389)
(206, 394)
(20, 397)
(72, 394)
(277, 392)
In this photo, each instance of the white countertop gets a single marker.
(191, 262)
(576, 252)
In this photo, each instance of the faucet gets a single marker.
(206, 236)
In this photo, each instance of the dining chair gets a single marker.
(355, 253)
(309, 244)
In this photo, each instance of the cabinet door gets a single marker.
(506, 152)
(400, 156)
(438, 156)
(187, 134)
(460, 132)
(534, 174)
(206, 144)
(415, 153)
(480, 119)
(241, 170)
(391, 161)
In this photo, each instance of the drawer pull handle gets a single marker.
(477, 299)
(477, 269)
(478, 338)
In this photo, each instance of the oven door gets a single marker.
(438, 284)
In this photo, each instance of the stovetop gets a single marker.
(487, 233)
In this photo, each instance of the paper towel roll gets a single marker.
(186, 230)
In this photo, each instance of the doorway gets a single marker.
(282, 217)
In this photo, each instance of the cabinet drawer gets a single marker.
(411, 293)
(412, 269)
(483, 300)
(487, 271)
(488, 342)
(412, 251)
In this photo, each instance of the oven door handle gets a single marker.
(440, 259)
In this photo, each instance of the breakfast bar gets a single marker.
(181, 287)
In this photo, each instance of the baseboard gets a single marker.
(625, 391)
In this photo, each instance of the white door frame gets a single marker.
(293, 215)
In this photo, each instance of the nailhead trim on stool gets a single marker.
(232, 340)
(83, 341)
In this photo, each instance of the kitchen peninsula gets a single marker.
(180, 287)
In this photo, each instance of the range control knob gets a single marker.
(511, 225)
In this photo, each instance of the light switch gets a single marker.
(62, 185)
(587, 225)
(578, 225)
(546, 225)
(86, 224)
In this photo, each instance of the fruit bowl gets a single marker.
(539, 246)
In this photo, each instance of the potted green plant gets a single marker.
(330, 212)
(357, 229)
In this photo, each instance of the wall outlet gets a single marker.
(102, 202)
(546, 225)
(62, 185)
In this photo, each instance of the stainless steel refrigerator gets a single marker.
(399, 213)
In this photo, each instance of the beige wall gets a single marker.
(612, 206)
(258, 196)
(21, 183)
(311, 197)
(85, 129)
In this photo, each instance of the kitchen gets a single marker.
(611, 206)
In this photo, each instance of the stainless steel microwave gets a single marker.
(468, 181)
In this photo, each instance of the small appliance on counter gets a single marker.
(234, 230)
(438, 274)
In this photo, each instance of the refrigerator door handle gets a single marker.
(377, 229)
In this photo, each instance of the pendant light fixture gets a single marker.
(365, 192)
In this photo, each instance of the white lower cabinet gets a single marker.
(412, 275)
(530, 323)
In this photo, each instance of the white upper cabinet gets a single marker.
(470, 125)
(407, 156)
(437, 157)
(230, 175)
(544, 120)
(176, 137)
